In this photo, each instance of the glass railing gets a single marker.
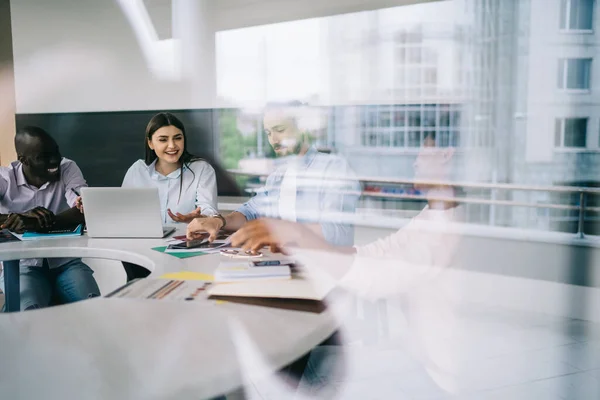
(571, 209)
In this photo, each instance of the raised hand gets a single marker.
(187, 218)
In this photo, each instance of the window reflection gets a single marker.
(512, 96)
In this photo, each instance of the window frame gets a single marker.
(565, 6)
(563, 68)
(561, 139)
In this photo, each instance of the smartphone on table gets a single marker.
(190, 244)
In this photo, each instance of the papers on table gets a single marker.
(162, 249)
(241, 270)
(300, 287)
(188, 276)
(161, 289)
(301, 293)
(206, 247)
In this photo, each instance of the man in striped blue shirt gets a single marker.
(310, 187)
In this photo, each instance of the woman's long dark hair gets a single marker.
(161, 120)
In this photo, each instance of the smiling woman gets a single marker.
(187, 184)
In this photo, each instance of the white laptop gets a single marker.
(123, 213)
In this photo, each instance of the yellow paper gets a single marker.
(188, 276)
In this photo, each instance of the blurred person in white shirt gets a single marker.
(409, 264)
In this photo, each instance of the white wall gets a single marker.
(83, 55)
(7, 87)
(231, 14)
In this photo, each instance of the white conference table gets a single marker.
(128, 348)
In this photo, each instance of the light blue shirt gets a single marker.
(326, 193)
(197, 189)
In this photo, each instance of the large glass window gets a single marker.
(464, 72)
(406, 125)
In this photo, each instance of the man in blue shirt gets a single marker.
(310, 187)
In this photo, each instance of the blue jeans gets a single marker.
(71, 282)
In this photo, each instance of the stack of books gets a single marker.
(247, 270)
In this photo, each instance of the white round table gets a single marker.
(144, 349)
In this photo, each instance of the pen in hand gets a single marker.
(78, 201)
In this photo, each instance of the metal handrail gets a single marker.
(478, 201)
(472, 185)
(466, 200)
(581, 207)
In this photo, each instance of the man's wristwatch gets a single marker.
(219, 216)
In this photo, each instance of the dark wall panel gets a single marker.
(106, 144)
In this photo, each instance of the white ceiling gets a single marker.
(232, 14)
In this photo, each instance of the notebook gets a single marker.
(63, 233)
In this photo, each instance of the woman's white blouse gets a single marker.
(198, 189)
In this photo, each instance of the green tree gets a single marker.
(231, 139)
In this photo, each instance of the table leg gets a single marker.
(12, 290)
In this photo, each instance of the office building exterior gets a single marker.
(513, 85)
